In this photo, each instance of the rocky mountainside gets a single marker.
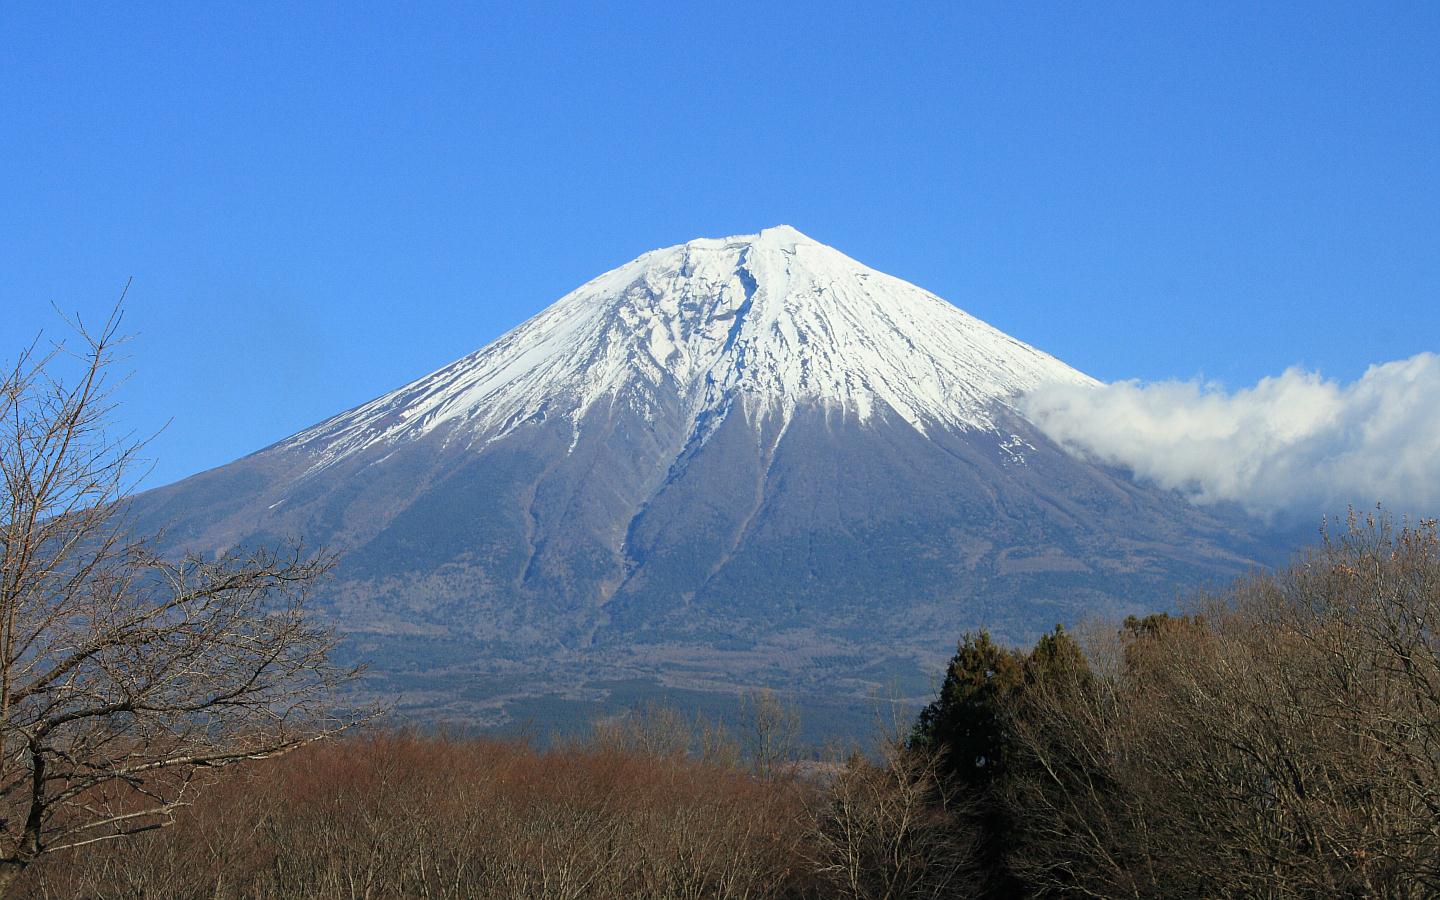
(733, 461)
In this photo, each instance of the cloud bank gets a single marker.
(1292, 445)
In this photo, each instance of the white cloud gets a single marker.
(1292, 444)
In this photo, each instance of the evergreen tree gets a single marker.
(972, 722)
(966, 720)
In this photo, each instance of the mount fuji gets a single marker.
(737, 461)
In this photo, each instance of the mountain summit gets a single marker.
(735, 461)
(771, 321)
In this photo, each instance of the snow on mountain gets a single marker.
(770, 320)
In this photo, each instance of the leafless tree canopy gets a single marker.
(1283, 741)
(892, 829)
(124, 675)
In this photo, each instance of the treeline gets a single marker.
(657, 806)
(1279, 739)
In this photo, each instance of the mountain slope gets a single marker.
(728, 462)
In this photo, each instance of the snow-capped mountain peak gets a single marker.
(770, 321)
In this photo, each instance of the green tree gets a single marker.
(973, 725)
(966, 720)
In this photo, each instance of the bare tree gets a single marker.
(125, 675)
(772, 732)
(892, 829)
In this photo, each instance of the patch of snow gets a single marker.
(1014, 448)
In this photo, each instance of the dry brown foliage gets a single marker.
(629, 814)
(397, 815)
(1283, 742)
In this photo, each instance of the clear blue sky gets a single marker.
(319, 202)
